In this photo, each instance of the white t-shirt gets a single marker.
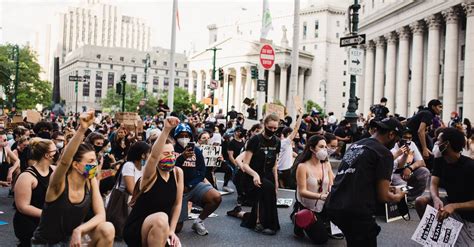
(129, 169)
(286, 153)
(416, 155)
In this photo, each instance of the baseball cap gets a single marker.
(390, 123)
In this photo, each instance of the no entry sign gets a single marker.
(267, 56)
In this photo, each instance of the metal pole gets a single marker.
(213, 76)
(16, 49)
(172, 52)
(147, 65)
(294, 61)
(76, 86)
(351, 115)
(124, 81)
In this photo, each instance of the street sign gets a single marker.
(352, 40)
(75, 78)
(213, 85)
(356, 65)
(261, 86)
(267, 56)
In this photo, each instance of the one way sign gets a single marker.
(352, 40)
(356, 65)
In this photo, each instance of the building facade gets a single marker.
(417, 51)
(102, 67)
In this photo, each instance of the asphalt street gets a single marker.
(226, 231)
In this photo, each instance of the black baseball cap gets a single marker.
(390, 123)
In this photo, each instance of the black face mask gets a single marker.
(269, 133)
(44, 135)
(391, 144)
(98, 148)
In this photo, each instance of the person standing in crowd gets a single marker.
(419, 125)
(232, 114)
(260, 164)
(314, 124)
(152, 222)
(286, 153)
(380, 111)
(409, 167)
(252, 112)
(30, 189)
(455, 172)
(162, 108)
(9, 161)
(196, 190)
(314, 178)
(73, 190)
(234, 148)
(363, 179)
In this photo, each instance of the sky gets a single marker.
(22, 19)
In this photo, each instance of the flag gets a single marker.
(266, 20)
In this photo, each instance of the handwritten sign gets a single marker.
(211, 155)
(393, 212)
(284, 202)
(431, 232)
(298, 102)
(278, 110)
(33, 116)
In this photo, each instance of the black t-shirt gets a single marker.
(232, 115)
(236, 146)
(252, 113)
(458, 180)
(355, 185)
(341, 132)
(423, 116)
(380, 112)
(163, 108)
(265, 153)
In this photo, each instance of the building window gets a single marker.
(344, 73)
(344, 83)
(166, 72)
(154, 62)
(345, 62)
(166, 82)
(337, 35)
(98, 84)
(315, 46)
(133, 79)
(87, 64)
(176, 65)
(316, 34)
(110, 80)
(177, 73)
(463, 49)
(133, 60)
(144, 61)
(99, 65)
(156, 71)
(176, 82)
(338, 23)
(343, 105)
(123, 67)
(461, 84)
(98, 56)
(156, 80)
(134, 69)
(185, 66)
(110, 58)
(304, 30)
(111, 66)
(343, 94)
(86, 84)
(186, 83)
(304, 48)
(165, 63)
(316, 25)
(121, 59)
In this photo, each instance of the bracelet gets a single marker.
(411, 169)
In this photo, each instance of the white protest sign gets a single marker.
(356, 65)
(431, 232)
(248, 123)
(211, 154)
(335, 230)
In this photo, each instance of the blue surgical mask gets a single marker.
(9, 137)
(143, 162)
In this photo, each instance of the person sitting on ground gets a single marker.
(343, 135)
(152, 222)
(30, 188)
(196, 188)
(456, 173)
(73, 190)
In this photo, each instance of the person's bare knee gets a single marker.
(104, 234)
(420, 205)
(159, 230)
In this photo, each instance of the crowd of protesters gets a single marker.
(88, 179)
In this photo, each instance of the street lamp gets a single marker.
(147, 66)
(16, 56)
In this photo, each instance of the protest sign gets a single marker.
(33, 116)
(248, 123)
(298, 102)
(128, 119)
(284, 202)
(393, 211)
(211, 155)
(431, 232)
(278, 110)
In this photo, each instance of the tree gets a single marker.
(113, 102)
(31, 89)
(311, 104)
(183, 101)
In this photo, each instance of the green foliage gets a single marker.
(309, 106)
(113, 102)
(183, 101)
(31, 89)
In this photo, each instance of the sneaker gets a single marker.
(268, 232)
(411, 204)
(227, 189)
(258, 228)
(235, 212)
(199, 228)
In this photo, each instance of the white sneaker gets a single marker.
(227, 189)
(199, 228)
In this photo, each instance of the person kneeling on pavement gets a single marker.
(196, 188)
(455, 172)
(409, 167)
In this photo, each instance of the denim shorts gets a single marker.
(195, 195)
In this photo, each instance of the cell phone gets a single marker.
(190, 145)
(402, 143)
(406, 188)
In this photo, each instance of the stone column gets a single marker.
(248, 83)
(369, 76)
(379, 69)
(360, 81)
(402, 77)
(226, 93)
(283, 83)
(238, 89)
(468, 99)
(432, 68)
(271, 85)
(300, 83)
(199, 86)
(391, 70)
(450, 92)
(417, 66)
(190, 82)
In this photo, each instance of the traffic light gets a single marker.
(118, 88)
(221, 74)
(254, 72)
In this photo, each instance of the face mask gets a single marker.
(143, 162)
(167, 163)
(160, 126)
(60, 145)
(268, 132)
(322, 154)
(183, 142)
(304, 136)
(436, 152)
(108, 150)
(153, 127)
(199, 130)
(9, 137)
(97, 148)
(331, 151)
(90, 170)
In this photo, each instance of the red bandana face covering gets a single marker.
(167, 163)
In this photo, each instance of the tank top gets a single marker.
(312, 185)
(60, 217)
(38, 194)
(160, 198)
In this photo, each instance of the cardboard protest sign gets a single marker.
(248, 123)
(128, 120)
(298, 102)
(17, 119)
(284, 202)
(431, 232)
(211, 155)
(392, 213)
(275, 109)
(33, 116)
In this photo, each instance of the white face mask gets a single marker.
(331, 151)
(436, 152)
(183, 141)
(322, 154)
(60, 145)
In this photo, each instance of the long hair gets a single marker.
(307, 153)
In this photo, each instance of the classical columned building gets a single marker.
(417, 51)
(236, 58)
